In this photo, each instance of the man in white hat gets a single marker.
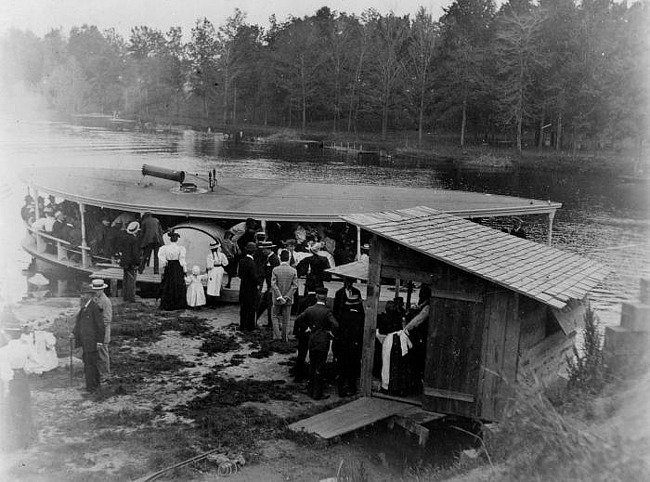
(130, 259)
(106, 307)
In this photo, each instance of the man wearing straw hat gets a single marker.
(88, 332)
(130, 259)
(106, 307)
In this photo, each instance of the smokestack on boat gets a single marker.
(162, 173)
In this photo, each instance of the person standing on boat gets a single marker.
(172, 286)
(248, 289)
(130, 259)
(313, 268)
(232, 252)
(320, 322)
(284, 283)
(215, 266)
(151, 239)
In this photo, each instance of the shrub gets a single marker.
(587, 370)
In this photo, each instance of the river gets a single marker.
(602, 217)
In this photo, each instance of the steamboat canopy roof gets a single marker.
(541, 272)
(269, 199)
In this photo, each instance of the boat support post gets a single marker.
(358, 243)
(551, 215)
(85, 261)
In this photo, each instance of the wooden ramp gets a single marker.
(349, 417)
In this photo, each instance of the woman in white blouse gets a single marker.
(215, 264)
(174, 268)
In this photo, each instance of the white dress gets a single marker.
(195, 294)
(214, 265)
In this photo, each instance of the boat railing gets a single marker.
(64, 250)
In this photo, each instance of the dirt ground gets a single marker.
(182, 383)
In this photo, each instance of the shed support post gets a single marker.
(85, 260)
(398, 283)
(370, 325)
(358, 243)
(551, 215)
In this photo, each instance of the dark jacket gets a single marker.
(313, 268)
(320, 321)
(340, 305)
(130, 249)
(267, 269)
(151, 231)
(300, 327)
(247, 272)
(89, 328)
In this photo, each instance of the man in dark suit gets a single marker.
(320, 322)
(313, 268)
(88, 332)
(302, 335)
(266, 261)
(130, 259)
(284, 283)
(248, 289)
(151, 239)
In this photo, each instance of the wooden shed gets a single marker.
(502, 307)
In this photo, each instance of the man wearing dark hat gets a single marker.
(313, 268)
(151, 239)
(232, 252)
(106, 307)
(248, 288)
(266, 260)
(320, 322)
(130, 259)
(88, 332)
(347, 347)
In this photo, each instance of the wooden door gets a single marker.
(453, 358)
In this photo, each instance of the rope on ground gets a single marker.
(226, 466)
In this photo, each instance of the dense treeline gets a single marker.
(554, 72)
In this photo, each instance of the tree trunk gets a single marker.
(540, 142)
(421, 117)
(225, 96)
(463, 123)
(558, 136)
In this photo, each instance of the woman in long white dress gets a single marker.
(215, 263)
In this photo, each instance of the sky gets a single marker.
(41, 16)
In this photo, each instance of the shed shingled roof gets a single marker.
(538, 271)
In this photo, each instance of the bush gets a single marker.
(587, 370)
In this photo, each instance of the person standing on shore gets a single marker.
(130, 259)
(284, 283)
(320, 322)
(87, 333)
(248, 291)
(266, 261)
(173, 290)
(106, 308)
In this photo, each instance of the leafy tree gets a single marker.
(466, 37)
(424, 34)
(202, 50)
(389, 40)
(519, 57)
(229, 57)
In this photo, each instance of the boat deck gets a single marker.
(263, 199)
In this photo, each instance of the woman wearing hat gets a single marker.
(172, 286)
(215, 266)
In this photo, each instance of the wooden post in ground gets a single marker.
(370, 325)
(551, 215)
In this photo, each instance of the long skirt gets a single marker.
(172, 287)
(215, 279)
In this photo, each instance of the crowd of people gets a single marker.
(269, 263)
